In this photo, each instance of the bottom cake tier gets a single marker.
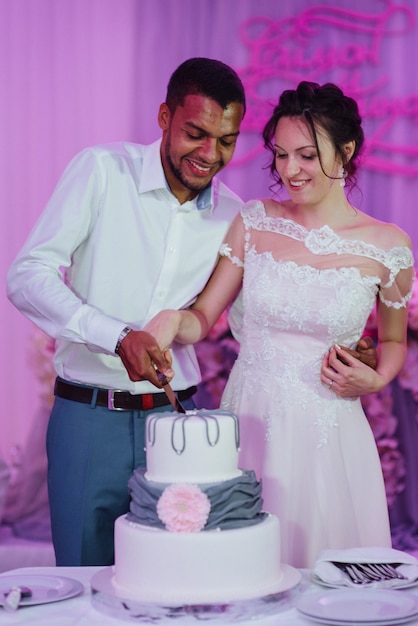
(154, 565)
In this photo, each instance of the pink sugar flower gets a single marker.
(183, 508)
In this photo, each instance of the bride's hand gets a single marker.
(347, 376)
(164, 327)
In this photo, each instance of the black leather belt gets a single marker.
(114, 399)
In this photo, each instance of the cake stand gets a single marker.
(105, 599)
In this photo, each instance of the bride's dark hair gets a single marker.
(323, 106)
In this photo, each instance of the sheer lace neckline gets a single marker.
(323, 240)
(291, 227)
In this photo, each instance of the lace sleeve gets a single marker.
(397, 291)
(226, 250)
(233, 245)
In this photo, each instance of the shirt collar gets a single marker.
(152, 177)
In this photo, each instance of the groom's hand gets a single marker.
(365, 351)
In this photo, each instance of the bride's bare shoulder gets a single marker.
(273, 208)
(384, 234)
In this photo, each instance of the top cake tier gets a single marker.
(199, 447)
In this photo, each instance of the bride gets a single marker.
(311, 269)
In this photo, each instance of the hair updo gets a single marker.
(323, 106)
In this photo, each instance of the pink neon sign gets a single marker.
(346, 47)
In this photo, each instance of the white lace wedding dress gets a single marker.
(314, 451)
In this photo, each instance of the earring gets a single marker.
(343, 176)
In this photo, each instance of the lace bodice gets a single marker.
(304, 291)
(323, 248)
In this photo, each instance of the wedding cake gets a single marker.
(196, 532)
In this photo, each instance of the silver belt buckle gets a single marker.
(111, 400)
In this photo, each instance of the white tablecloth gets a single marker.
(79, 611)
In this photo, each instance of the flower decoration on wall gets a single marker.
(408, 376)
(379, 410)
(183, 508)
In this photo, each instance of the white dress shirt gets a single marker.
(112, 248)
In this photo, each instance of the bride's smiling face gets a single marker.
(297, 161)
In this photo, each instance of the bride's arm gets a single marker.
(191, 325)
(352, 378)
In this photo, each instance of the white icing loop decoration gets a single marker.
(205, 416)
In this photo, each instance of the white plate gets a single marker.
(362, 606)
(44, 588)
(401, 584)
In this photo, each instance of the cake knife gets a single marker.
(177, 405)
(174, 399)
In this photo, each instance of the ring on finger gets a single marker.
(330, 384)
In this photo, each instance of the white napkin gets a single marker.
(329, 573)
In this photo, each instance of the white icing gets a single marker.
(192, 448)
(154, 565)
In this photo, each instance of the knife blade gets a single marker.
(177, 405)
